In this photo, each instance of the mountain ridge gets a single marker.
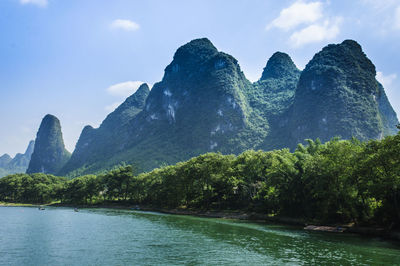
(204, 103)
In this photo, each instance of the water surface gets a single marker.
(60, 236)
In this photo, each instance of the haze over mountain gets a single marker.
(205, 103)
(49, 153)
(18, 164)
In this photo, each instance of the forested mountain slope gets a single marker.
(205, 103)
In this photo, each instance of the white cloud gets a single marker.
(397, 18)
(124, 24)
(124, 89)
(317, 26)
(41, 3)
(386, 81)
(317, 32)
(113, 106)
(297, 14)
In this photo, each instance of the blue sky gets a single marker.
(78, 59)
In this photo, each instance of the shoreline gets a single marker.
(221, 214)
(236, 215)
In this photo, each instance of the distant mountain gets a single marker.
(4, 160)
(18, 164)
(205, 103)
(22, 160)
(49, 154)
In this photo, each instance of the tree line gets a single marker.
(338, 181)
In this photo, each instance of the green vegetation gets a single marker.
(33, 188)
(336, 182)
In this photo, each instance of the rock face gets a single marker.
(205, 103)
(49, 154)
(18, 164)
(338, 95)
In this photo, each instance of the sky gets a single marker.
(79, 59)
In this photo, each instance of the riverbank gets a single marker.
(255, 217)
(236, 215)
(7, 204)
(222, 214)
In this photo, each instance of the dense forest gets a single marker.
(338, 181)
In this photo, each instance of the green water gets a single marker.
(60, 236)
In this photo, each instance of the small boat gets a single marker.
(76, 210)
(41, 208)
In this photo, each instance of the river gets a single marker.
(60, 236)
